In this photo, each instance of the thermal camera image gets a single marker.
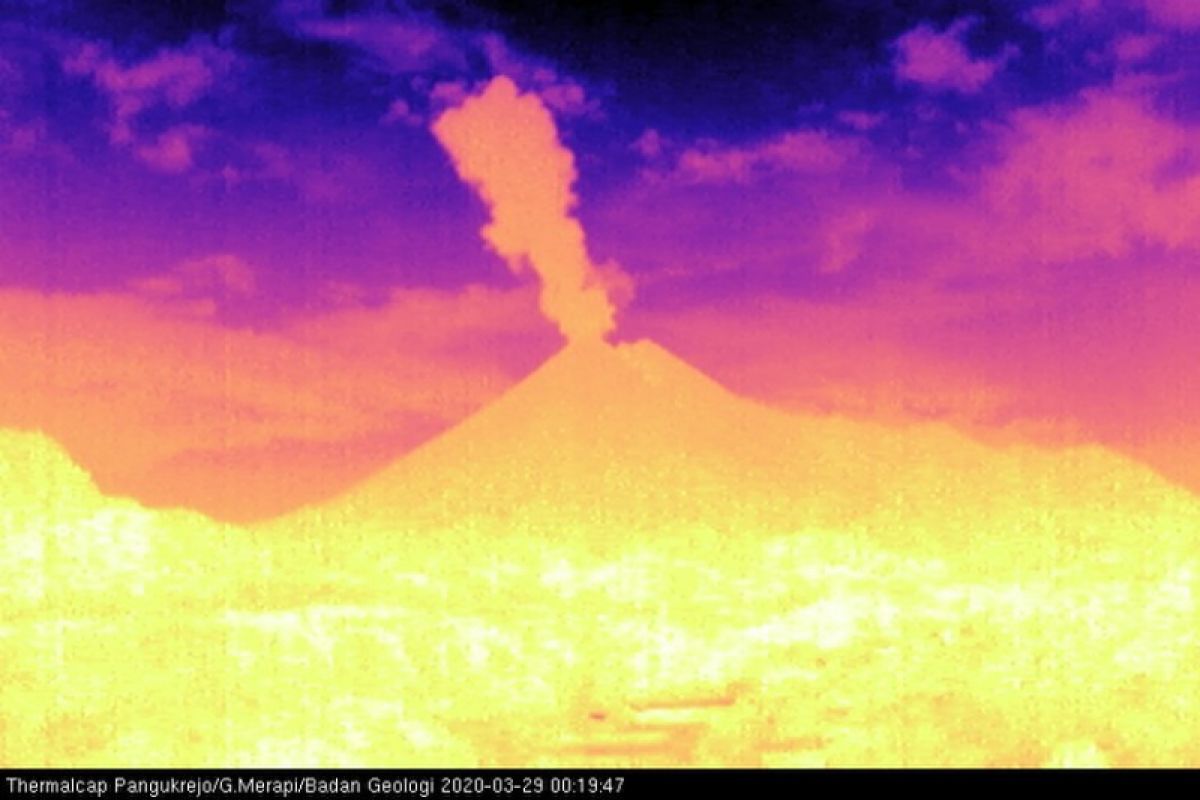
(465, 383)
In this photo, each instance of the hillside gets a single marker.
(66, 546)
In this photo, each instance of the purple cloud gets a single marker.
(1177, 14)
(1172, 15)
(441, 62)
(173, 150)
(172, 78)
(399, 46)
(940, 60)
(793, 152)
(561, 94)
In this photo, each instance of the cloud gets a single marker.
(562, 95)
(781, 210)
(173, 79)
(861, 120)
(318, 174)
(1049, 16)
(173, 150)
(444, 94)
(213, 276)
(650, 145)
(505, 145)
(160, 112)
(401, 112)
(1100, 176)
(844, 239)
(10, 73)
(21, 138)
(1133, 48)
(443, 61)
(794, 152)
(1168, 15)
(260, 161)
(399, 45)
(1107, 173)
(26, 119)
(940, 60)
(566, 98)
(1178, 14)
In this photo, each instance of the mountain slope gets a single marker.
(619, 442)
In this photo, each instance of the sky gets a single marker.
(252, 251)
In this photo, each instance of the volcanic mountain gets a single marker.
(621, 442)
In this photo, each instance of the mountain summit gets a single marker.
(598, 435)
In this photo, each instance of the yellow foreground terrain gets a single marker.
(617, 563)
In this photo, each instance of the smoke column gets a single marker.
(505, 145)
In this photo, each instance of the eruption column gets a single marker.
(505, 145)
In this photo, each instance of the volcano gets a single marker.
(625, 441)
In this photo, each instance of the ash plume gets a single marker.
(505, 145)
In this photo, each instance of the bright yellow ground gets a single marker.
(1020, 608)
